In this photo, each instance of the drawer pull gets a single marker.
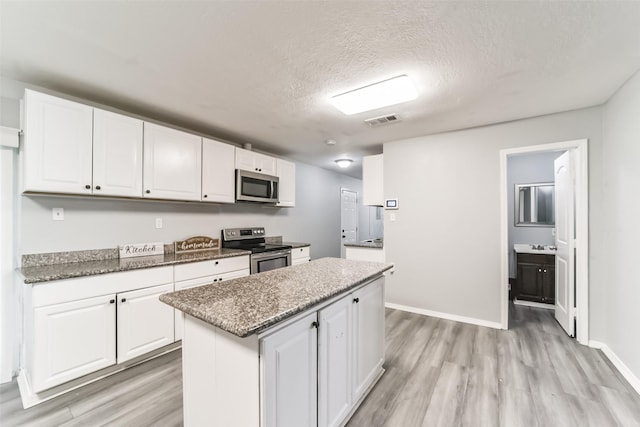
(123, 300)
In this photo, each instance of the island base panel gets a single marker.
(220, 377)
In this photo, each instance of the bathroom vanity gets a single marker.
(536, 273)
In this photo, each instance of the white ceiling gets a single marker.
(263, 72)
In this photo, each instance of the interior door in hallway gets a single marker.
(348, 218)
(565, 242)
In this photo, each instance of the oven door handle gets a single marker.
(271, 254)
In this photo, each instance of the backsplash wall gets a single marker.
(92, 223)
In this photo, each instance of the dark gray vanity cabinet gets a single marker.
(536, 279)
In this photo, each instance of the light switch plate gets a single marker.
(57, 214)
(392, 217)
(158, 222)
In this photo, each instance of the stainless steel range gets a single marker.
(264, 256)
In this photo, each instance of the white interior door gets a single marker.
(565, 242)
(349, 218)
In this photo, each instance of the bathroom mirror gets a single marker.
(534, 205)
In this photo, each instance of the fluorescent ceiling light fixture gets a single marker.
(388, 92)
(344, 163)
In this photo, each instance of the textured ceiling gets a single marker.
(263, 72)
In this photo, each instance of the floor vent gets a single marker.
(383, 120)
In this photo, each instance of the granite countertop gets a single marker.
(251, 304)
(295, 245)
(373, 245)
(46, 273)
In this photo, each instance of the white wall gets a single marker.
(621, 133)
(446, 240)
(527, 169)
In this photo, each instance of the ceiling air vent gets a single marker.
(383, 120)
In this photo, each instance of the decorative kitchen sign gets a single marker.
(197, 243)
(141, 249)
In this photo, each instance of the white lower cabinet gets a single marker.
(300, 255)
(71, 340)
(144, 322)
(74, 327)
(350, 354)
(290, 374)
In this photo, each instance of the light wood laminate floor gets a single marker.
(439, 373)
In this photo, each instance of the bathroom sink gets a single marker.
(523, 248)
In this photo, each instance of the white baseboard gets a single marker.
(534, 304)
(618, 363)
(463, 319)
(31, 398)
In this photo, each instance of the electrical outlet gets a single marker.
(392, 217)
(158, 222)
(57, 214)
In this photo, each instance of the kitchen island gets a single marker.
(296, 346)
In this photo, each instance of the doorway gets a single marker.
(348, 218)
(578, 152)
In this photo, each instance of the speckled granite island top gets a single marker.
(249, 305)
(46, 273)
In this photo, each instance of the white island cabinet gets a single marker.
(313, 369)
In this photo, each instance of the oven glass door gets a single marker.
(255, 187)
(269, 261)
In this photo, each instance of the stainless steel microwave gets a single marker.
(256, 187)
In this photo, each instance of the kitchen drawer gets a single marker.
(536, 258)
(60, 291)
(300, 252)
(208, 268)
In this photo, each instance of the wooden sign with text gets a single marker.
(141, 249)
(196, 244)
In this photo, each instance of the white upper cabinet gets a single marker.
(255, 162)
(287, 184)
(218, 172)
(117, 154)
(172, 164)
(58, 145)
(373, 180)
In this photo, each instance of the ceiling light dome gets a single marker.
(344, 163)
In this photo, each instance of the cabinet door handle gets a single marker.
(123, 300)
(88, 187)
(97, 187)
(148, 191)
(216, 263)
(205, 196)
(545, 271)
(539, 270)
(112, 301)
(315, 325)
(356, 300)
